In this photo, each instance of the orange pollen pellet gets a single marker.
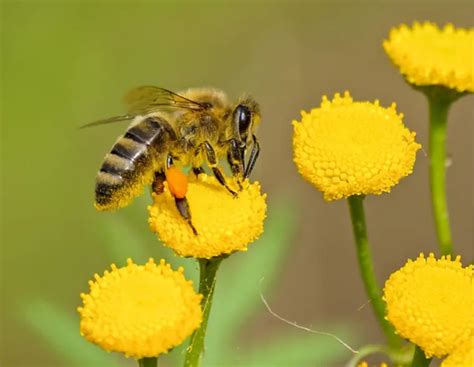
(177, 182)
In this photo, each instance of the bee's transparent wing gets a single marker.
(146, 99)
(109, 120)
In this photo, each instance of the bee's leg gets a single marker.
(158, 182)
(181, 202)
(197, 161)
(235, 158)
(198, 170)
(183, 208)
(253, 157)
(212, 161)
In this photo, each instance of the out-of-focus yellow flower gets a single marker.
(365, 364)
(224, 224)
(463, 356)
(140, 310)
(428, 55)
(347, 148)
(430, 302)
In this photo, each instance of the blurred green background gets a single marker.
(66, 63)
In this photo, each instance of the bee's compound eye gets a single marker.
(243, 117)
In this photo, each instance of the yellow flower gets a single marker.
(428, 55)
(365, 364)
(347, 148)
(430, 302)
(140, 310)
(224, 224)
(462, 356)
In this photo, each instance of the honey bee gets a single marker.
(172, 130)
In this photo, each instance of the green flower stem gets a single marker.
(364, 256)
(148, 362)
(419, 359)
(439, 108)
(207, 283)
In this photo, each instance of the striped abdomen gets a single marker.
(129, 165)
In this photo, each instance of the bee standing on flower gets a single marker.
(170, 130)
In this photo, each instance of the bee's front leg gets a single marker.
(212, 161)
(253, 157)
(235, 158)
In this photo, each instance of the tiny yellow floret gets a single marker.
(140, 310)
(347, 148)
(463, 356)
(224, 223)
(430, 302)
(428, 55)
(365, 364)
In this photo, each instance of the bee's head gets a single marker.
(245, 118)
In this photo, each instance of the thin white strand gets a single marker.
(294, 324)
(363, 305)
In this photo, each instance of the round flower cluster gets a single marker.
(428, 55)
(430, 302)
(462, 356)
(140, 310)
(347, 148)
(224, 223)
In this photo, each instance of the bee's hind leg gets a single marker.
(183, 208)
(158, 182)
(177, 183)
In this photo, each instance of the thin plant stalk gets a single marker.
(207, 283)
(364, 257)
(419, 359)
(148, 362)
(439, 108)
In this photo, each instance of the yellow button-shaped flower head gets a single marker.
(428, 55)
(140, 310)
(463, 355)
(430, 302)
(224, 223)
(349, 148)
